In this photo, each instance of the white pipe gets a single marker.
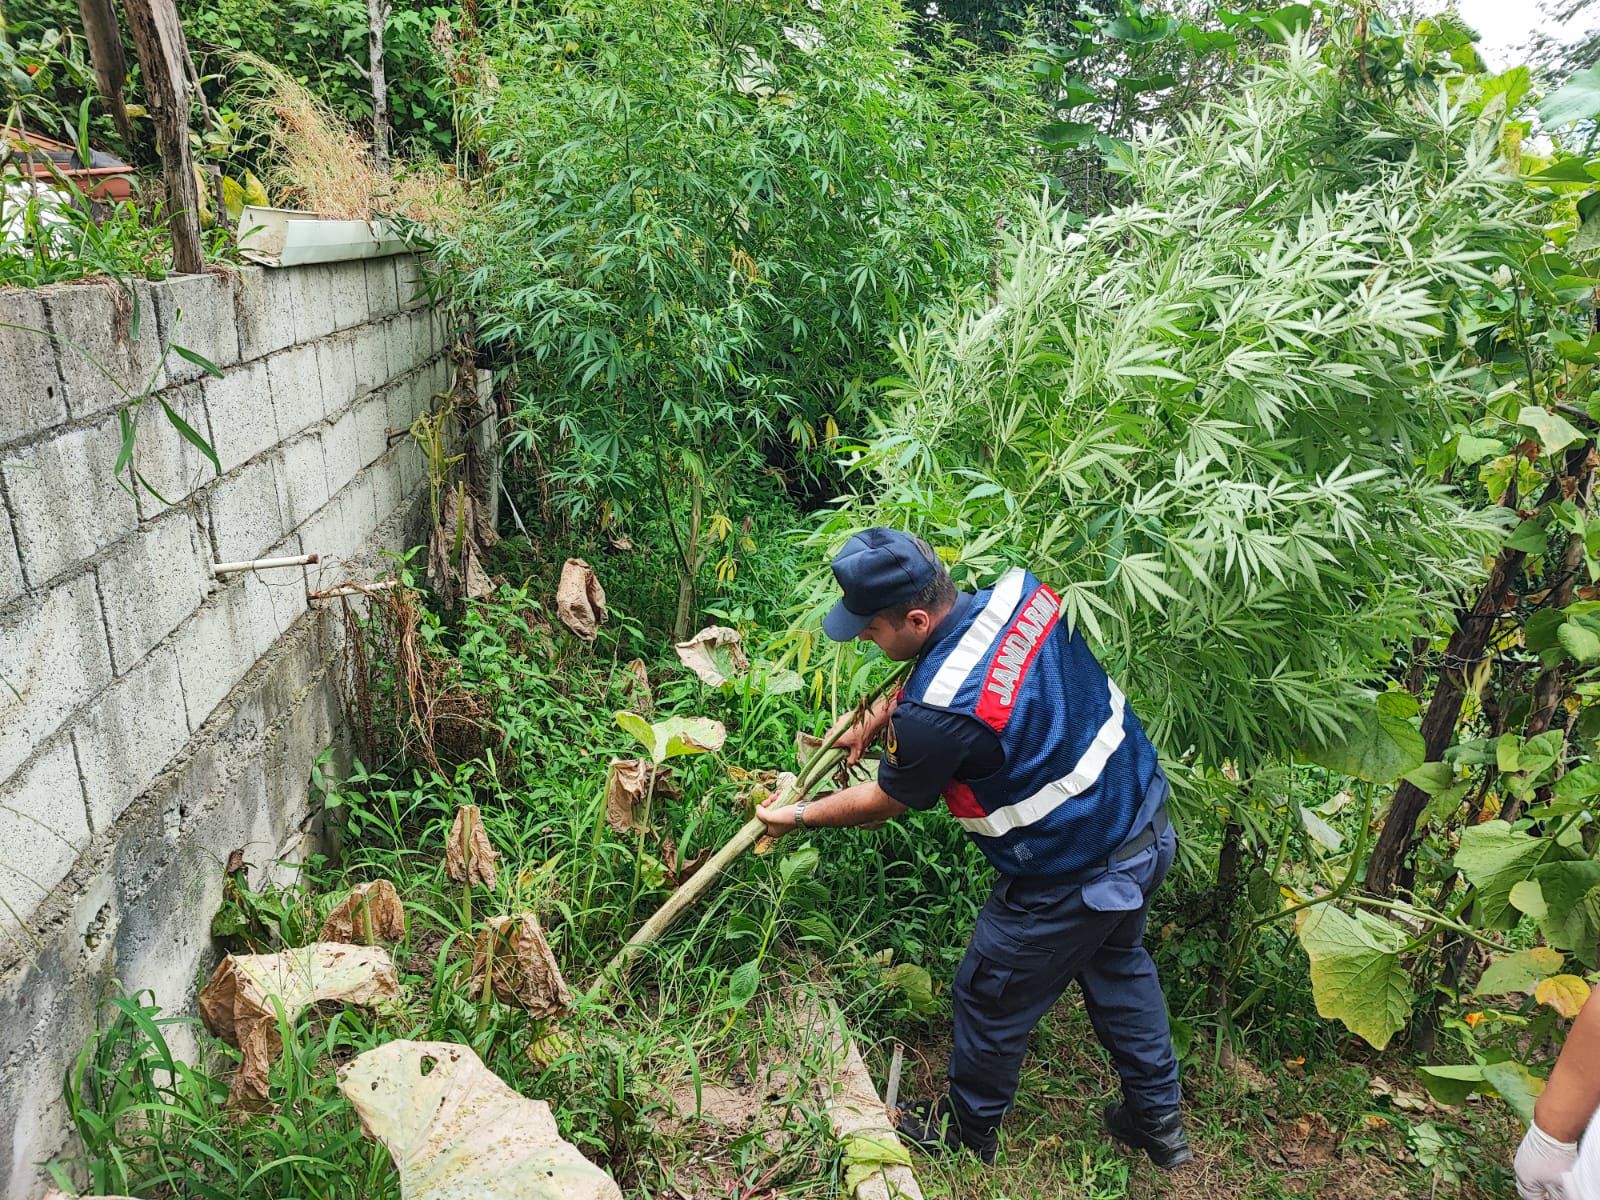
(262, 564)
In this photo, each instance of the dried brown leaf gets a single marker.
(468, 854)
(371, 913)
(237, 1003)
(455, 1130)
(625, 784)
(716, 654)
(637, 689)
(580, 600)
(513, 954)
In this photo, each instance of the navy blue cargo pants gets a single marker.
(1032, 939)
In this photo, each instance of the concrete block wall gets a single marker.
(155, 717)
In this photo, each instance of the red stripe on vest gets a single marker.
(958, 798)
(1017, 647)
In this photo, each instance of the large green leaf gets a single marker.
(1451, 1084)
(1518, 972)
(1572, 907)
(1494, 857)
(914, 982)
(1378, 748)
(1578, 784)
(1517, 1085)
(1356, 973)
(674, 736)
(1576, 100)
(1554, 431)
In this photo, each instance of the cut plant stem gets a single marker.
(818, 767)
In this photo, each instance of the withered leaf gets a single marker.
(521, 970)
(237, 1003)
(371, 913)
(455, 549)
(580, 600)
(716, 654)
(625, 783)
(637, 688)
(468, 853)
(455, 1130)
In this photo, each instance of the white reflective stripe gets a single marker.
(1052, 795)
(980, 635)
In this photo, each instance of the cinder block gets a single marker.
(424, 342)
(197, 313)
(336, 365)
(10, 566)
(100, 325)
(371, 415)
(168, 461)
(403, 351)
(65, 501)
(339, 532)
(275, 601)
(409, 281)
(246, 511)
(134, 730)
(214, 647)
(151, 582)
(347, 282)
(441, 374)
(388, 491)
(43, 829)
(341, 450)
(371, 350)
(267, 297)
(296, 384)
(314, 315)
(53, 657)
(239, 406)
(305, 481)
(383, 291)
(32, 395)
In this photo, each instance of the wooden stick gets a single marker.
(353, 589)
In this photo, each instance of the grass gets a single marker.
(702, 1025)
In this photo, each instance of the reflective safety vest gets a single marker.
(1076, 762)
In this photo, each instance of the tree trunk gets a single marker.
(104, 34)
(163, 61)
(377, 16)
(1390, 865)
(1225, 897)
(689, 568)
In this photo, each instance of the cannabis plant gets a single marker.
(703, 219)
(1201, 415)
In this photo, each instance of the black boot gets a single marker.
(933, 1127)
(1160, 1135)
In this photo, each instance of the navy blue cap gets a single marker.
(878, 568)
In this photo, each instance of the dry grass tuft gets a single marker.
(317, 161)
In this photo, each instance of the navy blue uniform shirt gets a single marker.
(925, 748)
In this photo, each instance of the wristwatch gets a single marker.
(800, 814)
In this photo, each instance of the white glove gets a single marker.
(1542, 1164)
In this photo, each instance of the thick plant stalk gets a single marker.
(817, 768)
(700, 882)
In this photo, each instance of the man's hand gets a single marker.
(853, 738)
(1542, 1164)
(779, 818)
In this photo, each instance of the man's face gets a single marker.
(900, 642)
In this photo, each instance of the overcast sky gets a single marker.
(1507, 25)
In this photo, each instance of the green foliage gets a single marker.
(1357, 972)
(700, 221)
(323, 44)
(1199, 415)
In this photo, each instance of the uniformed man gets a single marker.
(1040, 758)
